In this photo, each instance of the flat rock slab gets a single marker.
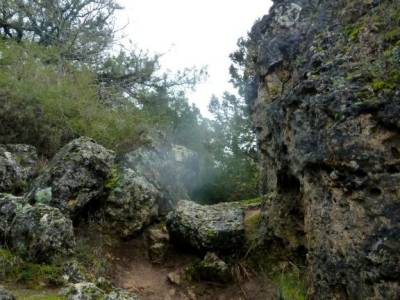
(218, 227)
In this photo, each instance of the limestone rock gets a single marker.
(41, 232)
(6, 295)
(217, 227)
(211, 269)
(157, 243)
(89, 291)
(327, 125)
(83, 291)
(17, 167)
(131, 205)
(76, 177)
(121, 295)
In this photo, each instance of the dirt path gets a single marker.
(133, 271)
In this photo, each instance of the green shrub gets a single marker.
(46, 102)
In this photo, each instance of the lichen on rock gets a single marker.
(218, 227)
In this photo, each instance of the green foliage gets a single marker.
(233, 174)
(37, 295)
(378, 85)
(291, 285)
(112, 182)
(46, 102)
(14, 269)
(352, 31)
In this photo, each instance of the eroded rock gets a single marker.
(131, 205)
(40, 232)
(217, 227)
(76, 177)
(328, 135)
(211, 269)
(17, 167)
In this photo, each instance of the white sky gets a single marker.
(192, 33)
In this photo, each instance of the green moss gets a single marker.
(291, 285)
(352, 31)
(392, 36)
(112, 182)
(14, 269)
(37, 295)
(379, 84)
(252, 201)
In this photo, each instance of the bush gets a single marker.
(46, 102)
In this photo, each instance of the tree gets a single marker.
(82, 29)
(232, 174)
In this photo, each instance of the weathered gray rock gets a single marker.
(40, 232)
(326, 117)
(83, 291)
(8, 207)
(17, 167)
(211, 269)
(217, 227)
(119, 294)
(6, 295)
(73, 272)
(158, 243)
(89, 291)
(131, 205)
(76, 177)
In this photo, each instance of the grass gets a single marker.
(252, 201)
(14, 270)
(36, 295)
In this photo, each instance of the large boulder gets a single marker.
(41, 232)
(218, 227)
(131, 205)
(37, 233)
(210, 269)
(76, 178)
(17, 167)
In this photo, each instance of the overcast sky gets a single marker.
(192, 33)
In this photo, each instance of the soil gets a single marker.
(133, 271)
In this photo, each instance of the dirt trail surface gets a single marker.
(133, 271)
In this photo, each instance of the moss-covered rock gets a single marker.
(217, 227)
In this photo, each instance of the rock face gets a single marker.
(323, 83)
(37, 233)
(17, 167)
(76, 177)
(217, 227)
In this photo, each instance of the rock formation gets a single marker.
(17, 167)
(76, 177)
(218, 227)
(323, 84)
